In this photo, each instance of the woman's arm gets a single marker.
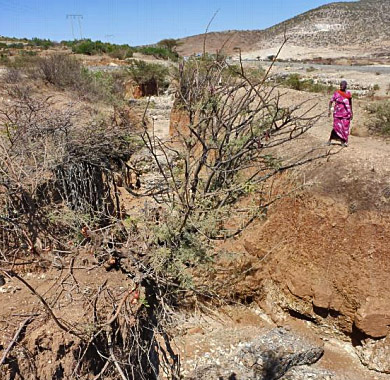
(330, 107)
(350, 104)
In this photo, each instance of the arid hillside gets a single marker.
(362, 26)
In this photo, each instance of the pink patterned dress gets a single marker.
(342, 114)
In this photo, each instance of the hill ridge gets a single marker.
(364, 23)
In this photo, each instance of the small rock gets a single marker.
(373, 318)
(375, 354)
(270, 356)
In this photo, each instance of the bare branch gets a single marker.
(15, 338)
(207, 30)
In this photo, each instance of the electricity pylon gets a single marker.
(78, 18)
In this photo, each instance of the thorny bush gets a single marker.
(216, 170)
(60, 168)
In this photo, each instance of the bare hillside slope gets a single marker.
(365, 23)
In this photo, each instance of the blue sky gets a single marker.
(138, 22)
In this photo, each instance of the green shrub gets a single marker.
(89, 47)
(39, 42)
(169, 43)
(295, 82)
(142, 73)
(379, 122)
(311, 86)
(255, 75)
(30, 53)
(4, 59)
(121, 53)
(100, 85)
(159, 52)
(164, 49)
(86, 47)
(16, 45)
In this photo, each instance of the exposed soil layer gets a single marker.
(321, 255)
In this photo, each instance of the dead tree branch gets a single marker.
(45, 305)
(15, 338)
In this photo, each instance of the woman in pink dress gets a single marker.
(342, 114)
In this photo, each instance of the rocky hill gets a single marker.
(364, 24)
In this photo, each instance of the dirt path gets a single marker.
(365, 162)
(159, 113)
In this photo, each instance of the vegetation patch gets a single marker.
(295, 82)
(163, 50)
(66, 72)
(379, 121)
(148, 74)
(89, 47)
(61, 169)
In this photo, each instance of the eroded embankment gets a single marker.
(322, 255)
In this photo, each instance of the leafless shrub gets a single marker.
(380, 117)
(67, 73)
(57, 182)
(12, 76)
(48, 156)
(22, 62)
(60, 70)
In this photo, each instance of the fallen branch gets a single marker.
(47, 307)
(15, 338)
(117, 366)
(101, 373)
(113, 358)
(115, 316)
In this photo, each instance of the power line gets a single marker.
(78, 18)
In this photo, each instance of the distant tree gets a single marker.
(143, 73)
(44, 43)
(169, 43)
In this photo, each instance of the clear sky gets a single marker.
(139, 22)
